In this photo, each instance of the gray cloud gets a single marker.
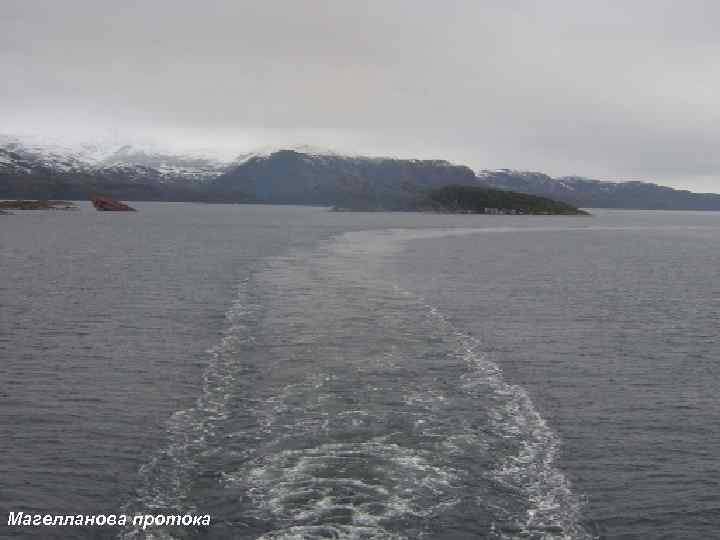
(616, 89)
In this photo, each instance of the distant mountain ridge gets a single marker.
(589, 193)
(291, 177)
(294, 176)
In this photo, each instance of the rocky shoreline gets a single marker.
(36, 205)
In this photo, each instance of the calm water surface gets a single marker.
(300, 374)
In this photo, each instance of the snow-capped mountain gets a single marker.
(24, 156)
(29, 155)
(170, 167)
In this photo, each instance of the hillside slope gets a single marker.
(290, 177)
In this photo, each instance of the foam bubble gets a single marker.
(359, 484)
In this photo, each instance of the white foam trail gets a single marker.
(165, 478)
(299, 489)
(553, 510)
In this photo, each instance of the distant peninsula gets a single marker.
(462, 199)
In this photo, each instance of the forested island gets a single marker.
(482, 200)
(463, 199)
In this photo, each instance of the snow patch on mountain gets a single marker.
(319, 154)
(108, 156)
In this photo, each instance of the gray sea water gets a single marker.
(303, 374)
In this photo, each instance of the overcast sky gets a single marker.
(612, 89)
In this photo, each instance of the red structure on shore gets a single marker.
(106, 204)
